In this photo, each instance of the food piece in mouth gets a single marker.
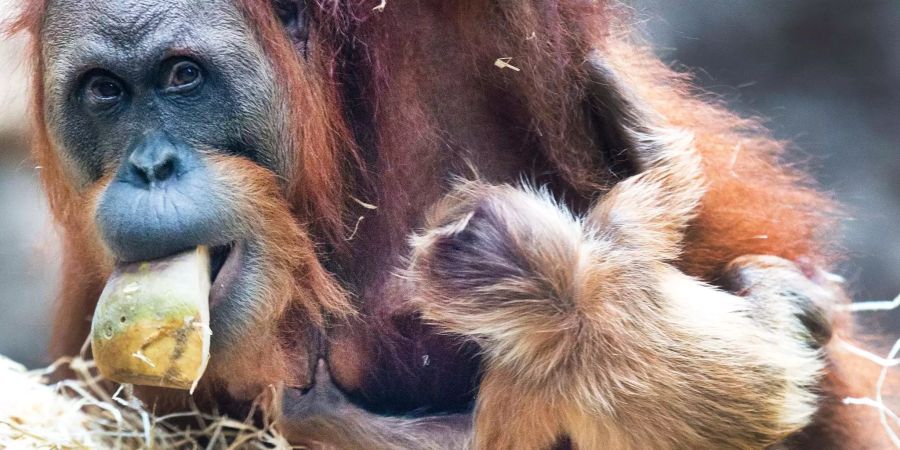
(151, 324)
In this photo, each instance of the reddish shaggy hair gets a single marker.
(756, 204)
(323, 144)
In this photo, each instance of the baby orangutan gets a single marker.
(588, 331)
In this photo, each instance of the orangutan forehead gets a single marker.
(127, 37)
(136, 27)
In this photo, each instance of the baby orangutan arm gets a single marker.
(590, 332)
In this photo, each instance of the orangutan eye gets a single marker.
(183, 76)
(103, 89)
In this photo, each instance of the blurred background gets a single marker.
(28, 252)
(824, 73)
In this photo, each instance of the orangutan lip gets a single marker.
(225, 266)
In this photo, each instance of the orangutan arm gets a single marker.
(590, 333)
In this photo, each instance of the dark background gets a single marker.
(824, 73)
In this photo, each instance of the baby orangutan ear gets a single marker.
(294, 16)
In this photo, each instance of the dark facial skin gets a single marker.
(140, 94)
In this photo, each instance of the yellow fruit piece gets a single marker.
(151, 324)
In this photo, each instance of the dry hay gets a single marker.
(82, 414)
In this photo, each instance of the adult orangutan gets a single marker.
(439, 224)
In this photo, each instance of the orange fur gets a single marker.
(420, 99)
(756, 202)
(588, 331)
(324, 148)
